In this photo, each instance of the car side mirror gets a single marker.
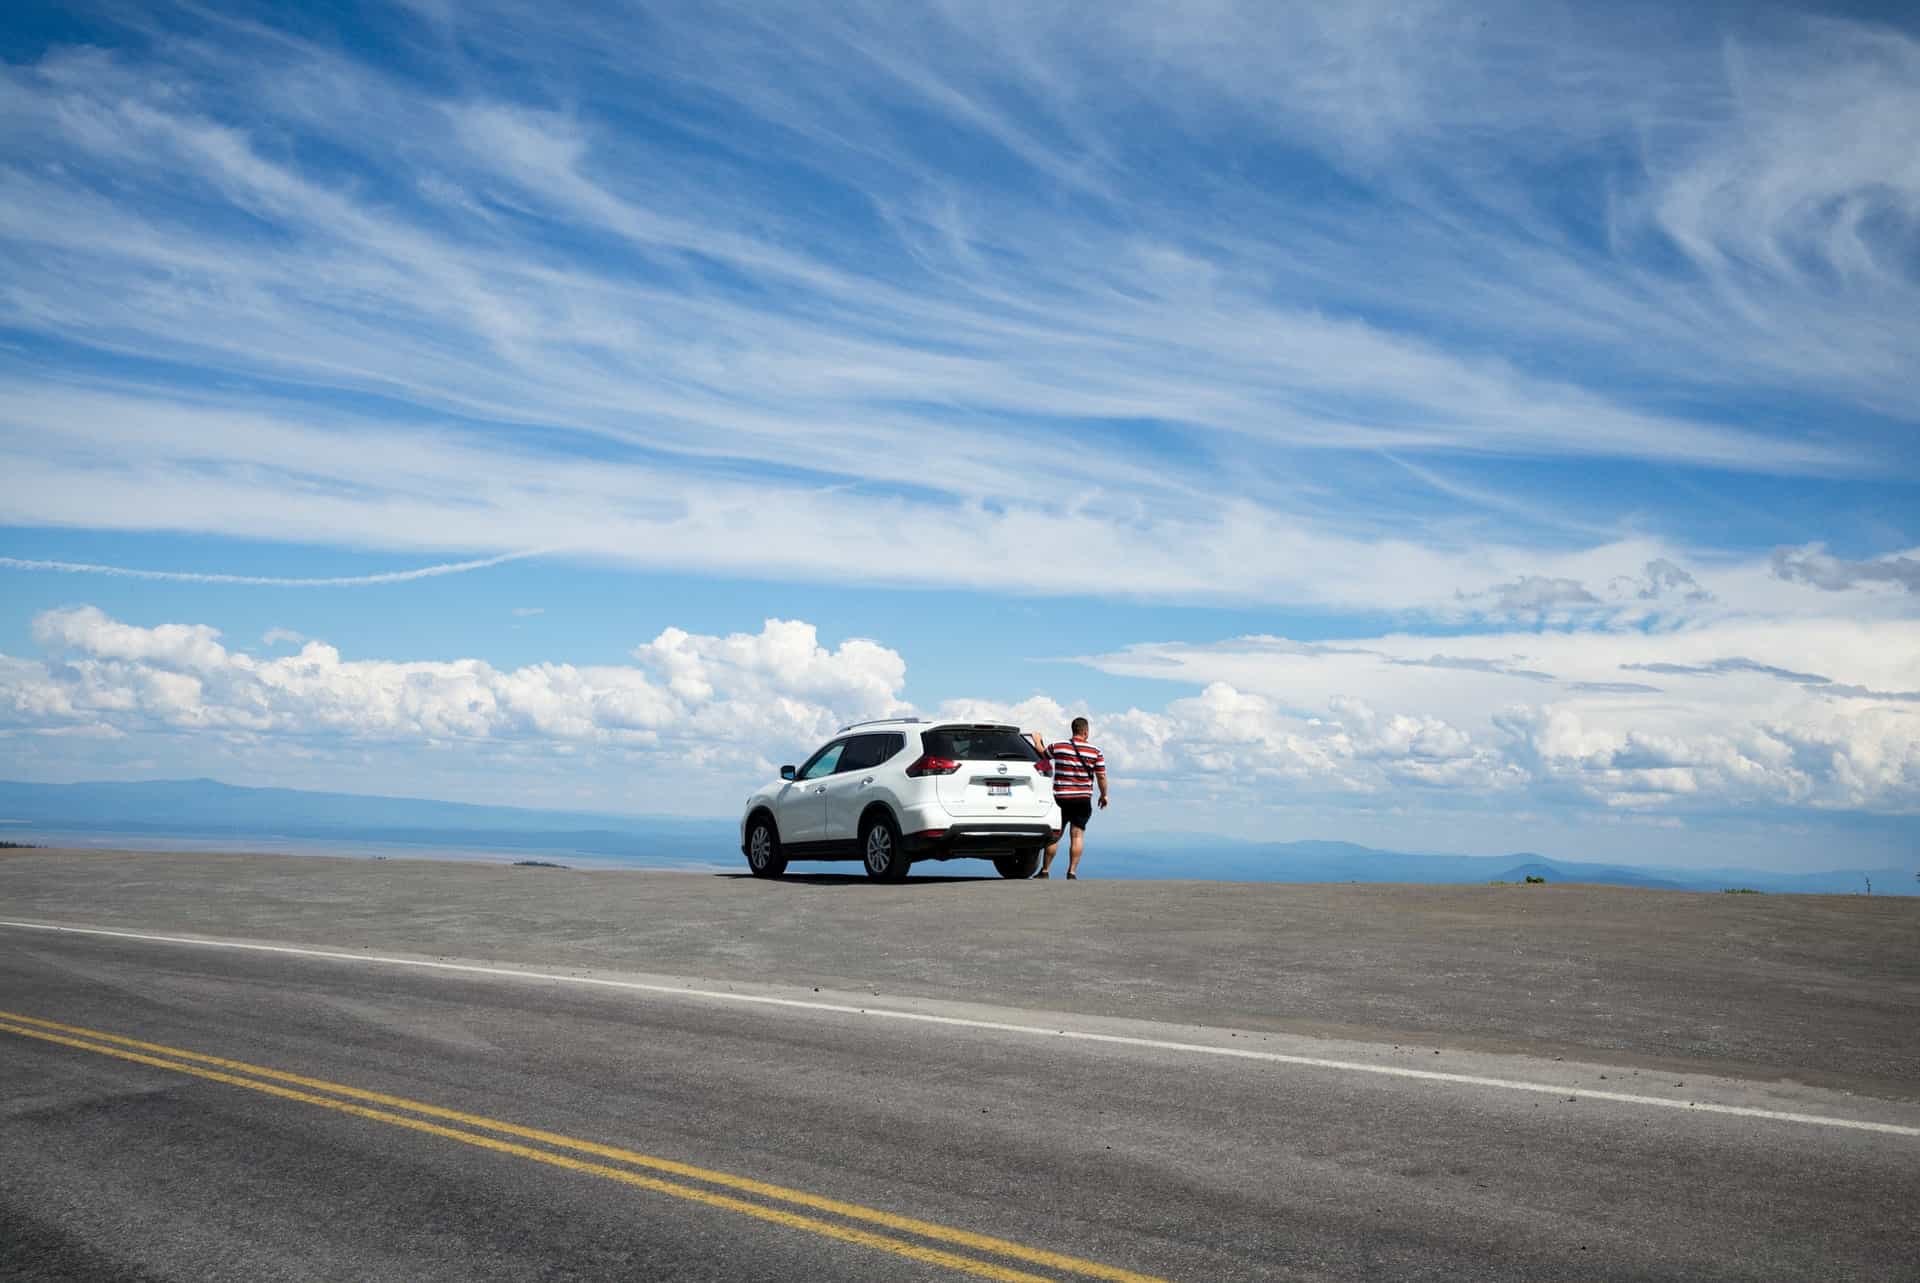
(788, 772)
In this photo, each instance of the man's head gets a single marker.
(1079, 726)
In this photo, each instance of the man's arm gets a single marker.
(1100, 774)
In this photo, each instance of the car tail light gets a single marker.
(931, 765)
(1044, 766)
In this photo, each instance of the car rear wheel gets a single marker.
(763, 849)
(880, 850)
(1021, 864)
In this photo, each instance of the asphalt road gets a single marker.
(609, 1120)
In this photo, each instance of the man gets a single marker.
(1077, 767)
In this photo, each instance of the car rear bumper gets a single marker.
(974, 837)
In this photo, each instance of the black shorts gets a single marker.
(1075, 811)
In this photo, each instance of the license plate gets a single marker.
(999, 790)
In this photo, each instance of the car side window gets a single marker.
(825, 762)
(861, 753)
(858, 757)
(867, 751)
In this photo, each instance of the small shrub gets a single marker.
(1741, 891)
(1534, 879)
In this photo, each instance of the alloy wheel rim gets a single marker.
(879, 850)
(760, 848)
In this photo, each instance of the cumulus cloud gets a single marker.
(1866, 760)
(1719, 730)
(1656, 588)
(1664, 580)
(1534, 594)
(1661, 585)
(1268, 721)
(1241, 745)
(1812, 565)
(729, 699)
(87, 631)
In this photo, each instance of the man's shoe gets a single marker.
(1073, 877)
(1043, 874)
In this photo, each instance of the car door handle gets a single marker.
(867, 781)
(821, 789)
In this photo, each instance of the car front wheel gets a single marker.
(1021, 864)
(880, 850)
(763, 849)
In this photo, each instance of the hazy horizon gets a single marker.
(193, 815)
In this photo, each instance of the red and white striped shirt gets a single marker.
(1075, 763)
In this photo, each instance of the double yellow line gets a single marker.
(632, 1169)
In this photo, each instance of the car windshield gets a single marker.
(979, 744)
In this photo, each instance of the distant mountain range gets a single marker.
(188, 809)
(1346, 862)
(179, 812)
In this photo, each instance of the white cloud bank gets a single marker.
(1819, 716)
(1809, 713)
(693, 700)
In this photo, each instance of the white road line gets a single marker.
(996, 1026)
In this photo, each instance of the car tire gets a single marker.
(1021, 864)
(880, 850)
(764, 859)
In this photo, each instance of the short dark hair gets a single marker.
(1079, 726)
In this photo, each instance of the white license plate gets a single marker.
(999, 790)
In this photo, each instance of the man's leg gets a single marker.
(1069, 823)
(1073, 851)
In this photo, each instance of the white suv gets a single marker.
(891, 792)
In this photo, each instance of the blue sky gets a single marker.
(1479, 427)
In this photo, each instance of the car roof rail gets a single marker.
(878, 721)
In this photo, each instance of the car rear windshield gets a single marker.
(979, 744)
